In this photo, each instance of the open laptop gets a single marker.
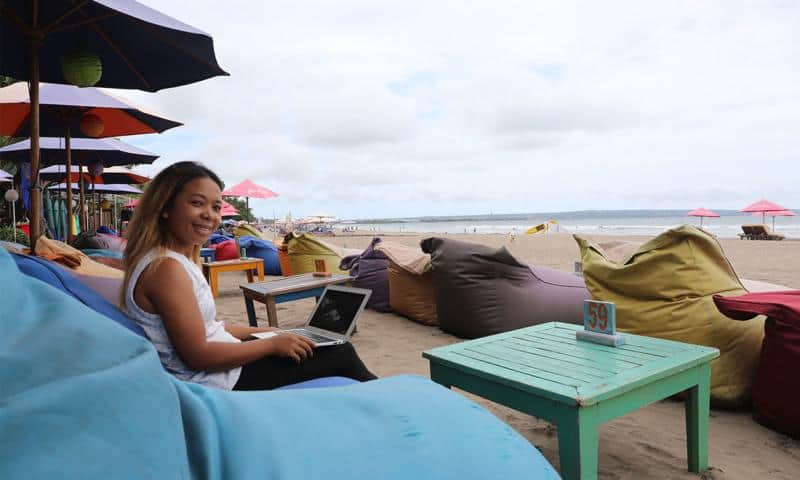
(333, 318)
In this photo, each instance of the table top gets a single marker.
(294, 283)
(234, 261)
(548, 361)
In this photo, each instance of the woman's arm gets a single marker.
(243, 332)
(180, 313)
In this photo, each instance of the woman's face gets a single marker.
(195, 213)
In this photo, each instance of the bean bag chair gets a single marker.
(101, 388)
(216, 238)
(257, 247)
(107, 230)
(94, 240)
(74, 259)
(666, 290)
(283, 259)
(247, 230)
(410, 282)
(371, 271)
(776, 390)
(304, 249)
(481, 290)
(225, 250)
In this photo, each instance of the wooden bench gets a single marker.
(577, 386)
(758, 232)
(286, 289)
(212, 269)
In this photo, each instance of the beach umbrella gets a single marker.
(104, 43)
(763, 207)
(248, 189)
(110, 175)
(228, 210)
(107, 151)
(702, 213)
(5, 176)
(115, 189)
(780, 213)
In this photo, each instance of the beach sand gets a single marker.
(648, 443)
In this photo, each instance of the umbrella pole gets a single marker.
(34, 43)
(82, 216)
(67, 138)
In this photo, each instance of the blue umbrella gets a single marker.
(129, 44)
(109, 151)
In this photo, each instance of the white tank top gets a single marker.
(154, 327)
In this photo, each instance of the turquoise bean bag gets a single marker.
(84, 398)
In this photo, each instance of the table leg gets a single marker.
(251, 312)
(212, 281)
(577, 446)
(697, 413)
(272, 312)
(249, 275)
(260, 270)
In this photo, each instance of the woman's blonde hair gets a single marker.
(147, 229)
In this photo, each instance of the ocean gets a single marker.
(591, 222)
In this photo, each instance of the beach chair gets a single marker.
(758, 232)
(75, 382)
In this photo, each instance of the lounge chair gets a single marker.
(76, 383)
(758, 232)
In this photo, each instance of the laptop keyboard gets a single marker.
(312, 336)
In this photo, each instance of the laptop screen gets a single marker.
(336, 310)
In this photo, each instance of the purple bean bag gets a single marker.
(371, 271)
(482, 291)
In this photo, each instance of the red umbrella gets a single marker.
(249, 189)
(702, 212)
(763, 207)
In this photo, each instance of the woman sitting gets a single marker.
(165, 292)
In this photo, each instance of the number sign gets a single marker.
(600, 317)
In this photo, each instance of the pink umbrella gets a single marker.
(763, 207)
(248, 189)
(780, 213)
(702, 212)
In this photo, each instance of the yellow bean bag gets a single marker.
(73, 258)
(410, 282)
(665, 288)
(246, 229)
(305, 248)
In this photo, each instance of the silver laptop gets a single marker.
(334, 317)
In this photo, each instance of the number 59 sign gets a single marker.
(600, 317)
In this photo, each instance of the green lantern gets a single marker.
(81, 68)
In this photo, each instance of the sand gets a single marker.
(649, 443)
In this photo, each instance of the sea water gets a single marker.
(600, 222)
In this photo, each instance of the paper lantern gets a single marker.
(105, 204)
(81, 68)
(11, 196)
(96, 168)
(92, 125)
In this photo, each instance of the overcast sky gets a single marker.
(371, 108)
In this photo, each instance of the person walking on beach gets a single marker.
(165, 292)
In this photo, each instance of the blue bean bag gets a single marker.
(260, 248)
(371, 269)
(76, 384)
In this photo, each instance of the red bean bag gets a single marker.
(225, 250)
(776, 390)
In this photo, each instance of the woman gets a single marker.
(165, 292)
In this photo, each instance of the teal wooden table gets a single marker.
(577, 386)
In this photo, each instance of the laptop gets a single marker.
(334, 316)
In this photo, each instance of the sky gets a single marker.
(377, 109)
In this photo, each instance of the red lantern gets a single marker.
(92, 125)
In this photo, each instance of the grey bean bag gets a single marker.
(371, 271)
(482, 291)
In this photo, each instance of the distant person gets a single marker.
(165, 292)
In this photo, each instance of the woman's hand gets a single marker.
(293, 346)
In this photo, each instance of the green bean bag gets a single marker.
(665, 289)
(304, 249)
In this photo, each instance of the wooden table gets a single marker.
(577, 386)
(212, 269)
(286, 289)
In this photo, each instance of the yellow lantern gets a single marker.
(92, 125)
(105, 204)
(81, 68)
